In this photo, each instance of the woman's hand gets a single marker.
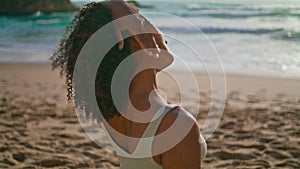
(137, 24)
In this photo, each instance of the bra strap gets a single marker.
(145, 144)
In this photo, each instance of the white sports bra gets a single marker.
(147, 163)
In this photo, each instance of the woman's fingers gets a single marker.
(138, 25)
(166, 56)
(155, 35)
(143, 32)
(155, 50)
(161, 41)
(120, 39)
(147, 41)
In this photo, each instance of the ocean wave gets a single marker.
(237, 11)
(211, 5)
(288, 36)
(199, 6)
(215, 30)
(27, 46)
(236, 14)
(276, 33)
(60, 19)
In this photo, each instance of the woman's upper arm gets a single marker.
(187, 153)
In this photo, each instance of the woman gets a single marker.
(188, 152)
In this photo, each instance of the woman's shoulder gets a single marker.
(182, 133)
(177, 113)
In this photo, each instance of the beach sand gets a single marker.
(260, 127)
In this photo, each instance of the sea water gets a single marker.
(250, 37)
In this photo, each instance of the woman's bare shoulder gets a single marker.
(177, 112)
(186, 153)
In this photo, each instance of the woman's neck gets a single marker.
(143, 90)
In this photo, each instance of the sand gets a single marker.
(260, 127)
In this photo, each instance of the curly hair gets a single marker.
(88, 20)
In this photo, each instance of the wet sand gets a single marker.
(260, 127)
